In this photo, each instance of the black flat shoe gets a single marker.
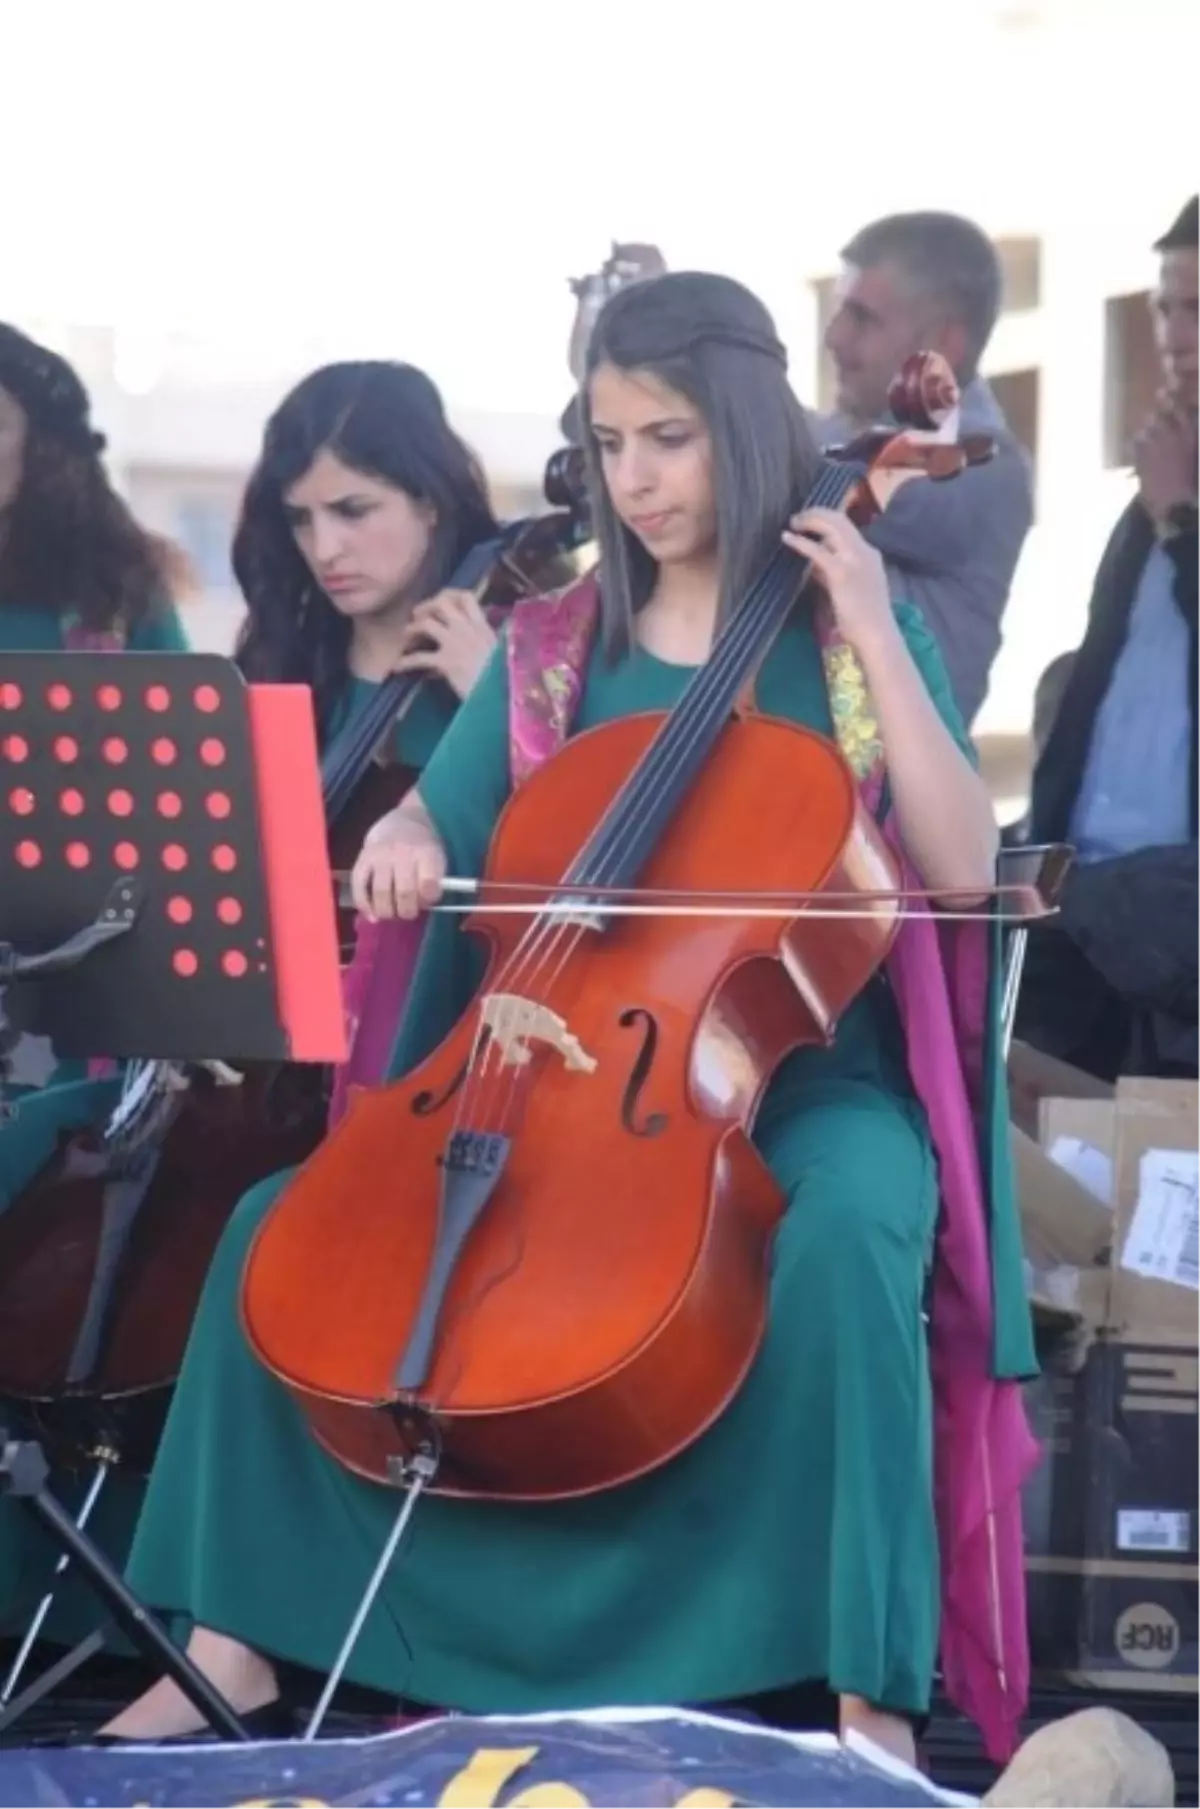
(274, 1721)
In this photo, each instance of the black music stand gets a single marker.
(142, 770)
(136, 921)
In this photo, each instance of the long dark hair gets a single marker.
(69, 544)
(713, 342)
(388, 422)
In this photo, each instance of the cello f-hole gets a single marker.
(427, 1103)
(655, 1123)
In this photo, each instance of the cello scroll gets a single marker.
(924, 398)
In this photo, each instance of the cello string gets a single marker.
(534, 952)
(537, 949)
(397, 691)
(703, 705)
(548, 934)
(693, 718)
(746, 624)
(383, 714)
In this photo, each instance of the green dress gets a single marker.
(795, 1540)
(71, 1102)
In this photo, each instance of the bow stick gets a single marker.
(1024, 902)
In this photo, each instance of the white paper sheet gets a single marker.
(1085, 1164)
(1162, 1240)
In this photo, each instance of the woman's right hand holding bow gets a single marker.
(400, 870)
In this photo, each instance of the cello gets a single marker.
(104, 1254)
(543, 1255)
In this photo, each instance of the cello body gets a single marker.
(610, 1295)
(221, 1140)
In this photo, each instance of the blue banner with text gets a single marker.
(619, 1759)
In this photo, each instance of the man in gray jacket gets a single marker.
(932, 282)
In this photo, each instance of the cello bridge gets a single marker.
(515, 1023)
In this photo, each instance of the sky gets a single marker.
(284, 183)
(422, 176)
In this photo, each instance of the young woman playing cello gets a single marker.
(362, 504)
(796, 1539)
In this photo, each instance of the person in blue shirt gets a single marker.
(1112, 986)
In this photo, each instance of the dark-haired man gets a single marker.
(1113, 987)
(932, 282)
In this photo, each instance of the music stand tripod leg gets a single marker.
(47, 1602)
(50, 1678)
(23, 1474)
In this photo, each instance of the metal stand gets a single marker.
(23, 1467)
(116, 917)
(1044, 866)
(170, 767)
(16, 1669)
(23, 1474)
(413, 1475)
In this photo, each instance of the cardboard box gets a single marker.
(1033, 1077)
(1066, 1187)
(1155, 1278)
(1108, 1206)
(1111, 1521)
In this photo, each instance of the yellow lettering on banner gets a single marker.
(482, 1779)
(550, 1796)
(281, 1802)
(484, 1776)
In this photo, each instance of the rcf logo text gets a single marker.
(1147, 1636)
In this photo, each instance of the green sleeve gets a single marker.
(159, 631)
(932, 667)
(465, 784)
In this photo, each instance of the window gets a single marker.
(1019, 395)
(204, 528)
(1131, 373)
(1021, 264)
(512, 501)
